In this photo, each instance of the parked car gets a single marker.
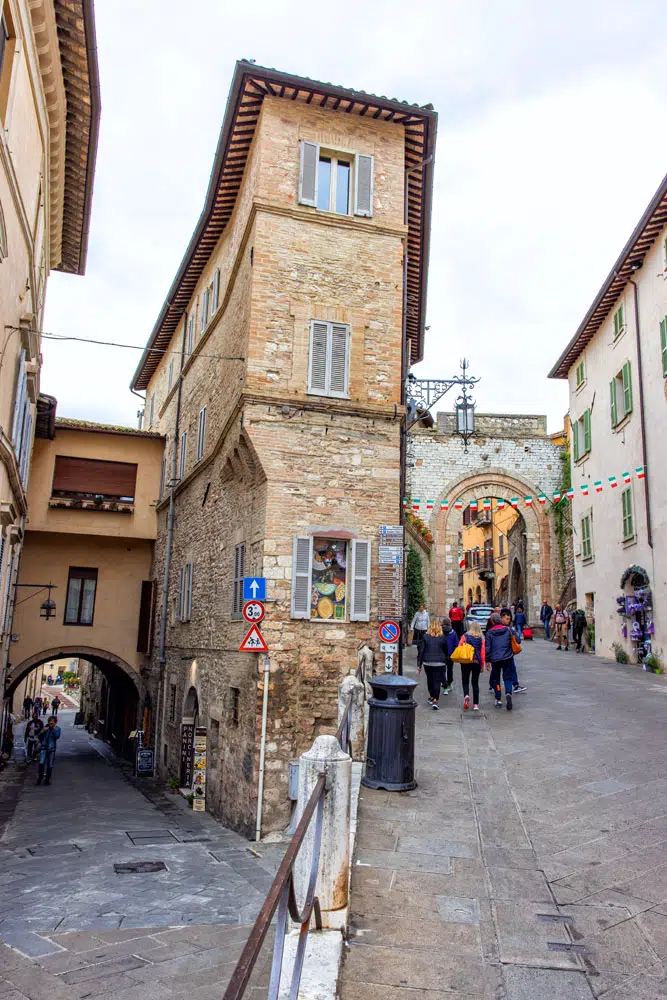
(479, 613)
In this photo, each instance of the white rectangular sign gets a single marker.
(389, 647)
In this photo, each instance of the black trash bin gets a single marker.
(390, 755)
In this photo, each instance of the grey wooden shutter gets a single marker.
(310, 154)
(215, 297)
(361, 581)
(26, 444)
(338, 369)
(8, 594)
(189, 568)
(19, 400)
(181, 592)
(302, 572)
(363, 185)
(317, 368)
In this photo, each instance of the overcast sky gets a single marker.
(552, 139)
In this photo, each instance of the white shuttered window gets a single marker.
(185, 595)
(315, 561)
(302, 575)
(201, 433)
(363, 185)
(328, 369)
(361, 581)
(310, 152)
(327, 176)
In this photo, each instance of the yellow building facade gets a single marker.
(486, 552)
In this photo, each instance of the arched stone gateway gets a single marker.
(107, 662)
(447, 526)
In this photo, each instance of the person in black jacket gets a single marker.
(498, 644)
(433, 657)
(451, 642)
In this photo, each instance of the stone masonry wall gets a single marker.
(509, 455)
(278, 461)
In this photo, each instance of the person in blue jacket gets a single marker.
(498, 648)
(47, 755)
(520, 621)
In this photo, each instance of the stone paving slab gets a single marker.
(560, 889)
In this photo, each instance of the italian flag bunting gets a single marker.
(641, 472)
(474, 505)
(462, 560)
(458, 505)
(598, 486)
(444, 505)
(613, 481)
(570, 493)
(429, 505)
(486, 504)
(529, 501)
(584, 489)
(415, 503)
(405, 502)
(514, 501)
(627, 478)
(542, 499)
(557, 496)
(501, 505)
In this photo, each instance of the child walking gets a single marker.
(471, 671)
(499, 655)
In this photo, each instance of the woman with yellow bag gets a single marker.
(470, 654)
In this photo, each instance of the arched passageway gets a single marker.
(109, 696)
(528, 542)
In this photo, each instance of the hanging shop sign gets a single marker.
(199, 786)
(187, 751)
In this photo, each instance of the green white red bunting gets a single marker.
(558, 496)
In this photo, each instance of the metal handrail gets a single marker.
(281, 894)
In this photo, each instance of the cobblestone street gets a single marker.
(73, 927)
(531, 861)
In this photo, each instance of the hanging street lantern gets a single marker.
(465, 410)
(48, 610)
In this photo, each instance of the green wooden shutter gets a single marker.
(614, 411)
(663, 345)
(575, 440)
(627, 388)
(587, 430)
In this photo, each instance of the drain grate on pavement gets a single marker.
(49, 850)
(566, 946)
(142, 838)
(139, 867)
(555, 918)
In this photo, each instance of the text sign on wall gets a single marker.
(187, 753)
(390, 572)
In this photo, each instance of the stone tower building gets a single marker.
(275, 371)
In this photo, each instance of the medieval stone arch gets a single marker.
(447, 525)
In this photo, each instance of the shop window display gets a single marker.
(329, 590)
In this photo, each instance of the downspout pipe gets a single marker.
(262, 749)
(405, 365)
(171, 519)
(642, 415)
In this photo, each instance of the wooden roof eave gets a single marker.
(249, 86)
(630, 259)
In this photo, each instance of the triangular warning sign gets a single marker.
(253, 642)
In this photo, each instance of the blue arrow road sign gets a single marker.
(254, 588)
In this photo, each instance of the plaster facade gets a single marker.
(616, 450)
(510, 455)
(119, 547)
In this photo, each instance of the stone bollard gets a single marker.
(351, 685)
(333, 874)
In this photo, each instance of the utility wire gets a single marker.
(133, 347)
